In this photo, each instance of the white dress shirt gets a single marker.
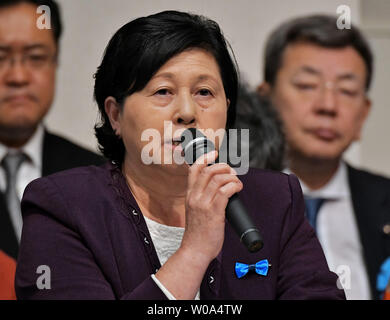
(29, 170)
(338, 234)
(166, 240)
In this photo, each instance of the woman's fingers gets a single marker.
(200, 168)
(217, 184)
(205, 179)
(223, 194)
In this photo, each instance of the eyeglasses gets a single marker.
(31, 61)
(315, 89)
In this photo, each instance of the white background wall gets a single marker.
(375, 146)
(89, 24)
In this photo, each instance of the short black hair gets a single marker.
(321, 30)
(55, 15)
(140, 48)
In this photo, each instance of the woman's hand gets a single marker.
(209, 190)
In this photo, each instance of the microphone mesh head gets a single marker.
(195, 144)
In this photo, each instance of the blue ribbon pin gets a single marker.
(383, 278)
(261, 268)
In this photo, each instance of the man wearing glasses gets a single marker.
(317, 77)
(28, 63)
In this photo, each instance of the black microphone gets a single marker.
(194, 145)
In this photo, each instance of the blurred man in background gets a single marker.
(317, 77)
(28, 64)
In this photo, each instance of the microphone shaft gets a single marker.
(242, 223)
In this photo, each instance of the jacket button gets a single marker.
(386, 229)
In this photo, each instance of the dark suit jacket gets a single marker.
(58, 154)
(85, 225)
(371, 202)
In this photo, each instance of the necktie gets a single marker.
(11, 164)
(313, 205)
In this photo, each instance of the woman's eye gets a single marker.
(205, 92)
(162, 92)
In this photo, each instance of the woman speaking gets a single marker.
(137, 229)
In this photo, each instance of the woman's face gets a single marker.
(187, 91)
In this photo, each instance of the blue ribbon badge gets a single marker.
(383, 278)
(261, 268)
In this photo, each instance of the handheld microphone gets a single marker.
(194, 145)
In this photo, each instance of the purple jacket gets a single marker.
(85, 225)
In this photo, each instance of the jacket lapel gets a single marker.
(371, 206)
(60, 154)
(51, 162)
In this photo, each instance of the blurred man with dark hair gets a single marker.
(28, 63)
(317, 77)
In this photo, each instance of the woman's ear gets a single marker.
(263, 89)
(113, 112)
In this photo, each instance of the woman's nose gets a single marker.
(186, 110)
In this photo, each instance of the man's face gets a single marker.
(27, 70)
(320, 96)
